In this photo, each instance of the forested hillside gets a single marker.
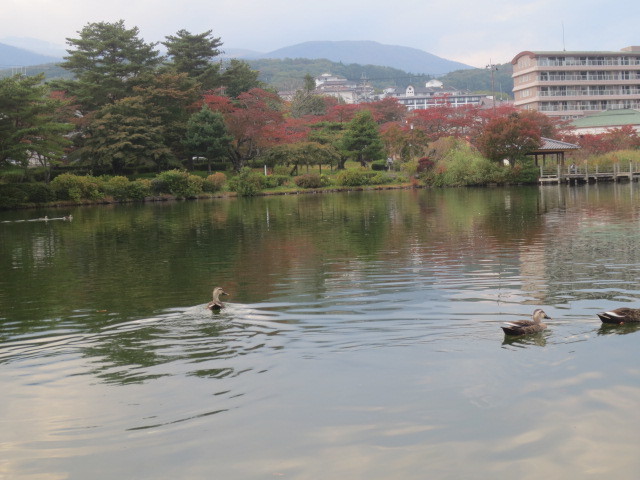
(288, 74)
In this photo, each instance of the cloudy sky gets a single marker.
(469, 31)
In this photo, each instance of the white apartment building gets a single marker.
(574, 84)
(434, 93)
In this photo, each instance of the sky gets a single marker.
(473, 32)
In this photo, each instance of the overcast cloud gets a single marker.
(468, 31)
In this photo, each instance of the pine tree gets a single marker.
(207, 136)
(362, 139)
(193, 54)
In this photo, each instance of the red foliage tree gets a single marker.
(253, 119)
(445, 121)
(509, 137)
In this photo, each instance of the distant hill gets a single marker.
(11, 56)
(479, 79)
(370, 53)
(36, 45)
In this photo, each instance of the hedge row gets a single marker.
(77, 188)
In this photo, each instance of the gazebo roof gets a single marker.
(549, 145)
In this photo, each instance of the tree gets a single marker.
(207, 136)
(170, 97)
(309, 83)
(302, 153)
(108, 61)
(330, 134)
(305, 103)
(254, 115)
(123, 135)
(510, 138)
(239, 78)
(444, 121)
(361, 138)
(193, 54)
(387, 110)
(30, 122)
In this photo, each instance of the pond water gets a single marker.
(361, 338)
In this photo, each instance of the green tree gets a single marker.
(238, 78)
(362, 139)
(207, 136)
(309, 83)
(302, 153)
(30, 125)
(305, 103)
(331, 134)
(170, 97)
(123, 135)
(193, 54)
(108, 61)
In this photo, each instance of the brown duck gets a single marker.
(215, 303)
(522, 327)
(620, 316)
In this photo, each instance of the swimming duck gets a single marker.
(522, 327)
(620, 316)
(215, 303)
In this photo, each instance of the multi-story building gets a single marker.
(434, 93)
(574, 84)
(343, 89)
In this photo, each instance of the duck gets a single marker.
(620, 316)
(523, 327)
(215, 303)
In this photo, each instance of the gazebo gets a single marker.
(554, 149)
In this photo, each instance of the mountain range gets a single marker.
(408, 59)
(11, 56)
(25, 52)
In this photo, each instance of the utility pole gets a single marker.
(493, 68)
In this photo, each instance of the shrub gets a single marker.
(12, 196)
(425, 164)
(215, 182)
(39, 192)
(117, 187)
(379, 165)
(273, 181)
(353, 178)
(382, 178)
(247, 183)
(13, 176)
(178, 183)
(74, 187)
(139, 189)
(308, 180)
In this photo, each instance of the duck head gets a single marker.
(217, 292)
(539, 315)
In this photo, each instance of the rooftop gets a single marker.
(609, 118)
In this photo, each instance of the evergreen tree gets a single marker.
(29, 123)
(124, 136)
(207, 136)
(108, 61)
(193, 54)
(362, 140)
(239, 78)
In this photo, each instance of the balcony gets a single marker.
(609, 62)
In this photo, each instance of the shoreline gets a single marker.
(171, 198)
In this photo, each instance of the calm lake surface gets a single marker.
(361, 338)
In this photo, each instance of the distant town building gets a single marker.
(574, 84)
(434, 93)
(343, 89)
